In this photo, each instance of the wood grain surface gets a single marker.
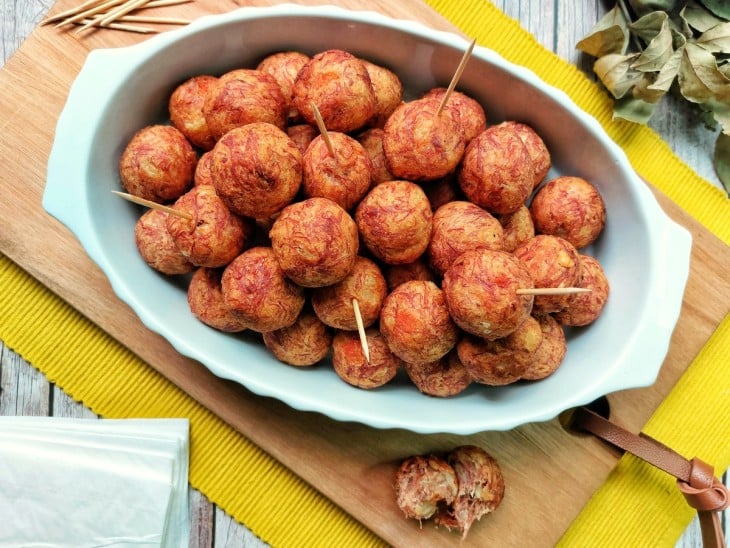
(326, 453)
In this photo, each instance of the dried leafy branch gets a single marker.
(646, 48)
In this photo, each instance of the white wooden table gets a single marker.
(557, 25)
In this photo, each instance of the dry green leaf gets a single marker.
(698, 17)
(609, 35)
(721, 8)
(658, 51)
(649, 25)
(616, 74)
(644, 89)
(668, 72)
(632, 109)
(699, 78)
(716, 39)
(721, 160)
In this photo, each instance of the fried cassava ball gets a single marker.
(416, 324)
(284, 66)
(211, 235)
(481, 292)
(461, 226)
(466, 111)
(343, 177)
(443, 378)
(306, 342)
(339, 85)
(584, 308)
(156, 246)
(351, 365)
(395, 221)
(569, 207)
(551, 262)
(550, 353)
(517, 228)
(255, 287)
(157, 164)
(257, 170)
(388, 91)
(496, 172)
(364, 283)
(419, 145)
(244, 96)
(536, 148)
(205, 298)
(423, 484)
(315, 242)
(186, 110)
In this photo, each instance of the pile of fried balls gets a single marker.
(420, 215)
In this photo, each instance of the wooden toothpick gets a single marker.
(456, 77)
(361, 330)
(323, 130)
(553, 290)
(152, 205)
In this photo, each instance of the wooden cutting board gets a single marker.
(545, 468)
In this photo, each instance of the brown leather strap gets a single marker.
(695, 478)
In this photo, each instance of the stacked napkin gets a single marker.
(85, 482)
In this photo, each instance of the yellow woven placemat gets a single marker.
(277, 505)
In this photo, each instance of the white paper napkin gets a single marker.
(85, 483)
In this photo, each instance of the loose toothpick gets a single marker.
(552, 290)
(456, 77)
(361, 330)
(323, 130)
(153, 205)
(114, 14)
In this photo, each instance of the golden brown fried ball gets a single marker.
(212, 236)
(496, 171)
(157, 164)
(551, 262)
(569, 207)
(205, 298)
(156, 246)
(502, 361)
(400, 273)
(244, 96)
(518, 228)
(395, 221)
(443, 378)
(306, 342)
(343, 178)
(203, 174)
(537, 149)
(255, 287)
(481, 292)
(419, 145)
(551, 351)
(584, 308)
(351, 365)
(423, 484)
(339, 84)
(372, 141)
(365, 283)
(458, 227)
(466, 111)
(284, 66)
(257, 170)
(416, 324)
(481, 488)
(186, 110)
(315, 242)
(388, 91)
(302, 135)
